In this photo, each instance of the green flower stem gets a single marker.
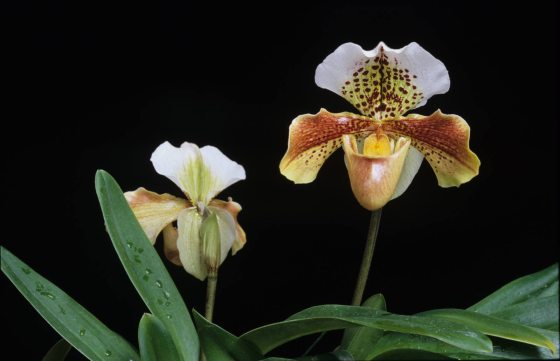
(367, 257)
(212, 281)
(364, 268)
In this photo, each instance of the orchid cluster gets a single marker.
(383, 151)
(384, 147)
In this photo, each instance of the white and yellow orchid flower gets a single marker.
(201, 173)
(383, 148)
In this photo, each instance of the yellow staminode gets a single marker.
(377, 145)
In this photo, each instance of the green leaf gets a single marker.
(396, 342)
(339, 355)
(551, 290)
(493, 326)
(332, 317)
(405, 346)
(518, 291)
(145, 268)
(58, 352)
(72, 321)
(155, 343)
(218, 344)
(360, 340)
(506, 349)
(539, 312)
(402, 346)
(406, 354)
(394, 345)
(331, 356)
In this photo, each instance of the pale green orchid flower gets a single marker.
(201, 173)
(383, 148)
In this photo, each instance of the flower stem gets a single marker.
(211, 295)
(367, 257)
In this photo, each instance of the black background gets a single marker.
(101, 86)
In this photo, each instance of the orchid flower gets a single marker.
(383, 148)
(201, 173)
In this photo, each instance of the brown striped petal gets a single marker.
(444, 141)
(374, 178)
(314, 137)
(154, 211)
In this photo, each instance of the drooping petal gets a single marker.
(239, 242)
(154, 211)
(444, 141)
(188, 243)
(374, 178)
(314, 137)
(170, 236)
(383, 83)
(233, 208)
(200, 173)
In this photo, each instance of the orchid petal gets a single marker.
(200, 173)
(154, 211)
(374, 178)
(172, 162)
(411, 166)
(233, 208)
(228, 230)
(188, 243)
(170, 236)
(383, 83)
(314, 137)
(444, 141)
(225, 171)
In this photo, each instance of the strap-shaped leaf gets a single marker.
(539, 312)
(332, 317)
(360, 340)
(145, 268)
(551, 290)
(218, 344)
(72, 321)
(493, 326)
(400, 346)
(393, 344)
(338, 355)
(154, 340)
(517, 291)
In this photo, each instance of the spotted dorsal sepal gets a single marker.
(383, 83)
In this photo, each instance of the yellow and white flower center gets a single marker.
(378, 145)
